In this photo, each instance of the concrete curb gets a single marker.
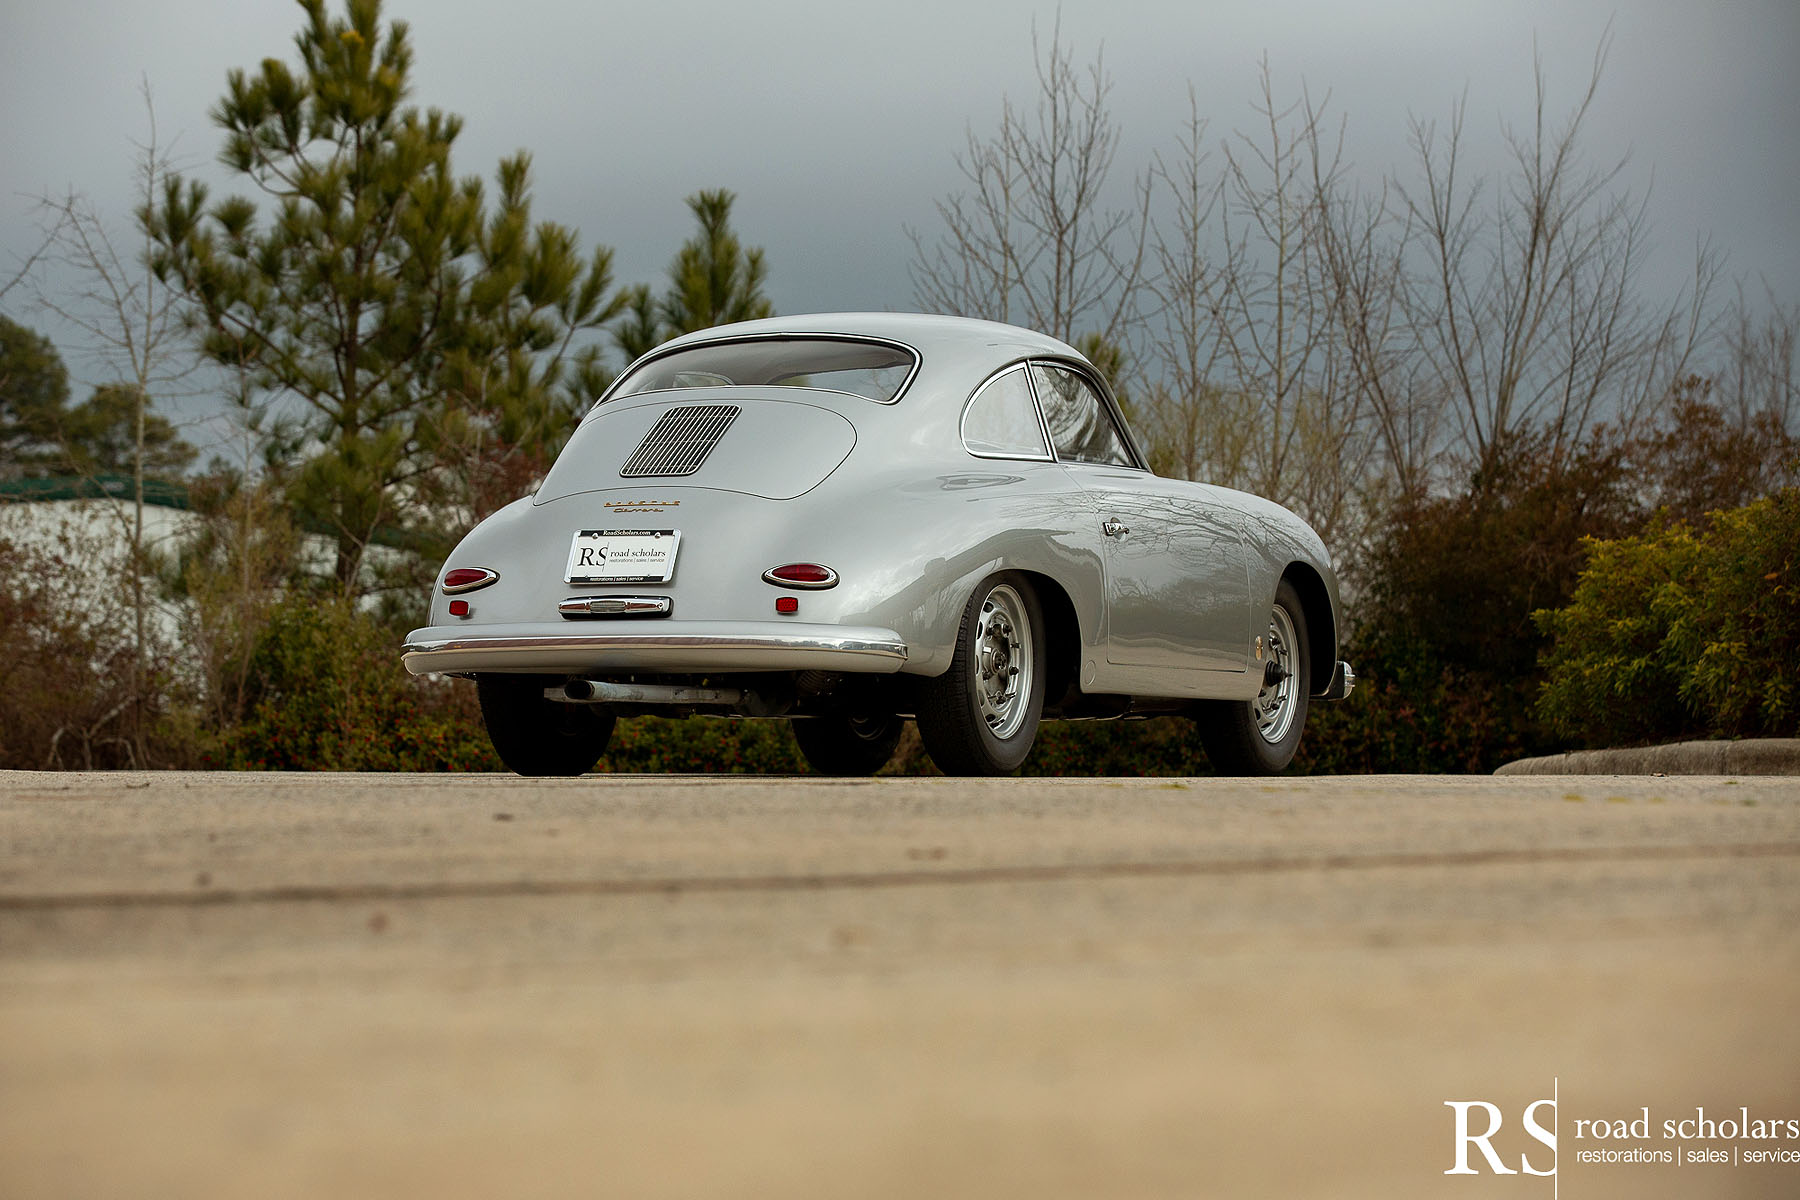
(1752, 756)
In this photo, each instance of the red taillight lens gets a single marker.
(787, 604)
(801, 575)
(467, 579)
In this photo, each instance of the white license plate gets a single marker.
(623, 556)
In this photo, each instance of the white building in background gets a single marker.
(85, 524)
(79, 530)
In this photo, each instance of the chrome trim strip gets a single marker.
(577, 607)
(962, 422)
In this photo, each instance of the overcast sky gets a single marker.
(836, 122)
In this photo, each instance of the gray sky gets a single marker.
(836, 122)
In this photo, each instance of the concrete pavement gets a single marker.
(273, 986)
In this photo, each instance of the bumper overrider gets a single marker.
(1343, 682)
(688, 647)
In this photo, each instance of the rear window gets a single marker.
(874, 370)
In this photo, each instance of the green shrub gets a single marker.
(1677, 633)
(329, 693)
(1442, 632)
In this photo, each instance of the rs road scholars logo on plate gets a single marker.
(622, 556)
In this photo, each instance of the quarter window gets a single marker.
(1001, 420)
(1080, 424)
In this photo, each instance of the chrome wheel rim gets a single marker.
(1003, 661)
(1276, 703)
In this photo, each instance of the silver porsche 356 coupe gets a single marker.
(850, 520)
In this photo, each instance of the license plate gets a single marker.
(623, 556)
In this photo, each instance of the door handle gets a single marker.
(1114, 528)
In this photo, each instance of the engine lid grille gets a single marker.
(679, 443)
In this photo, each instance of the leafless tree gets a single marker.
(1758, 374)
(1361, 238)
(133, 332)
(26, 267)
(1256, 385)
(1197, 429)
(1033, 240)
(1525, 300)
(1333, 342)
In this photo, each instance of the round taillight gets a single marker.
(467, 579)
(801, 575)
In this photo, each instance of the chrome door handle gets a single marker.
(1112, 528)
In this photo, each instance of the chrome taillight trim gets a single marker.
(830, 580)
(488, 575)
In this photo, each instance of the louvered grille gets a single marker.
(680, 442)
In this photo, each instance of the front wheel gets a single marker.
(535, 736)
(1259, 737)
(847, 744)
(981, 716)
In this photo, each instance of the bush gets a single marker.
(1443, 640)
(328, 692)
(68, 628)
(1673, 633)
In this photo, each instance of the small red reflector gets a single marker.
(802, 575)
(467, 579)
(787, 604)
(459, 608)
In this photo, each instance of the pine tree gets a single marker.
(34, 396)
(714, 280)
(426, 335)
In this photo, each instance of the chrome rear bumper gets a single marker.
(674, 647)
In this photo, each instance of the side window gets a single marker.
(1001, 421)
(1080, 424)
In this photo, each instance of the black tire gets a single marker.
(847, 744)
(534, 736)
(1259, 737)
(981, 716)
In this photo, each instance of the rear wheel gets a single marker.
(981, 716)
(847, 744)
(1260, 736)
(535, 736)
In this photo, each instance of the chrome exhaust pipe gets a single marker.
(596, 691)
